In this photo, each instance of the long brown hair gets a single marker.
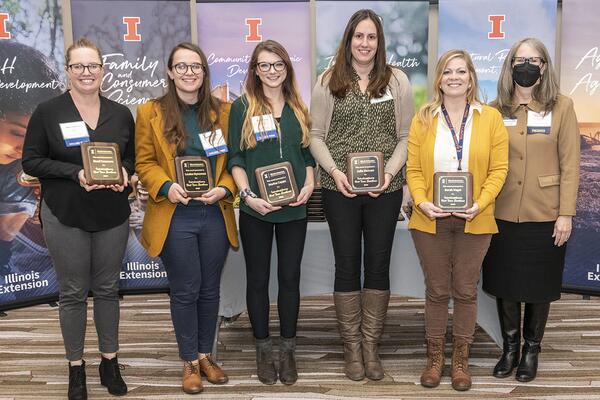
(172, 107)
(425, 114)
(341, 71)
(257, 102)
(544, 93)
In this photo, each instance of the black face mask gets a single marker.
(526, 75)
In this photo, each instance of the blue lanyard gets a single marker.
(458, 142)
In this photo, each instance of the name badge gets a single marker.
(217, 146)
(510, 122)
(264, 127)
(538, 123)
(74, 133)
(387, 96)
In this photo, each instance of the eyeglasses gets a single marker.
(182, 68)
(266, 67)
(80, 68)
(530, 60)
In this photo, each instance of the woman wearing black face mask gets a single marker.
(535, 208)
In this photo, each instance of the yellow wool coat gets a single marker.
(488, 162)
(155, 164)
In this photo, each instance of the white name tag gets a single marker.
(538, 123)
(510, 122)
(387, 96)
(74, 133)
(216, 146)
(264, 127)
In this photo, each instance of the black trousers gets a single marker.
(257, 240)
(367, 219)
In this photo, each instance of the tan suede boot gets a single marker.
(461, 378)
(374, 309)
(432, 375)
(349, 316)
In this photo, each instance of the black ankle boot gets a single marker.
(288, 374)
(509, 314)
(110, 376)
(265, 368)
(534, 324)
(77, 386)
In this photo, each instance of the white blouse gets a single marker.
(444, 153)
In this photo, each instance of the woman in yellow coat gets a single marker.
(191, 235)
(454, 132)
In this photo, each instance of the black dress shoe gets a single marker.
(110, 376)
(77, 386)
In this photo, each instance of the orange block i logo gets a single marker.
(132, 35)
(253, 34)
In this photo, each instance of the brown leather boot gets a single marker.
(349, 316)
(191, 381)
(432, 375)
(214, 374)
(461, 378)
(374, 309)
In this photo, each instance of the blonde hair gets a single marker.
(544, 93)
(425, 114)
(258, 104)
(80, 44)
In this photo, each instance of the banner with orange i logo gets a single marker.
(31, 72)
(135, 38)
(488, 28)
(228, 32)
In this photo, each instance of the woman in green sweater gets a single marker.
(270, 125)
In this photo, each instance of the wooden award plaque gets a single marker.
(453, 191)
(365, 171)
(102, 163)
(277, 184)
(194, 174)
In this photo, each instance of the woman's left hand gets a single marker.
(562, 229)
(469, 214)
(386, 183)
(212, 196)
(120, 188)
(303, 196)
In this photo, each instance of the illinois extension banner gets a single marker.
(405, 25)
(580, 79)
(31, 71)
(136, 38)
(228, 32)
(488, 28)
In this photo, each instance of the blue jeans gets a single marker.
(193, 254)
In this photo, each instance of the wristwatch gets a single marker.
(244, 193)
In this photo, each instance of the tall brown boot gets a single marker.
(349, 316)
(461, 378)
(432, 375)
(374, 309)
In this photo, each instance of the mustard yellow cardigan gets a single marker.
(488, 162)
(155, 164)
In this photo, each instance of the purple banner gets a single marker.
(228, 32)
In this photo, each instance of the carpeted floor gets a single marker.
(32, 364)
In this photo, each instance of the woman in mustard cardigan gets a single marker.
(454, 133)
(191, 235)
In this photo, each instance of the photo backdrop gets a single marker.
(580, 79)
(136, 37)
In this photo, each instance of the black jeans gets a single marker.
(372, 220)
(257, 240)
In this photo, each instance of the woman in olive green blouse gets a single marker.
(269, 125)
